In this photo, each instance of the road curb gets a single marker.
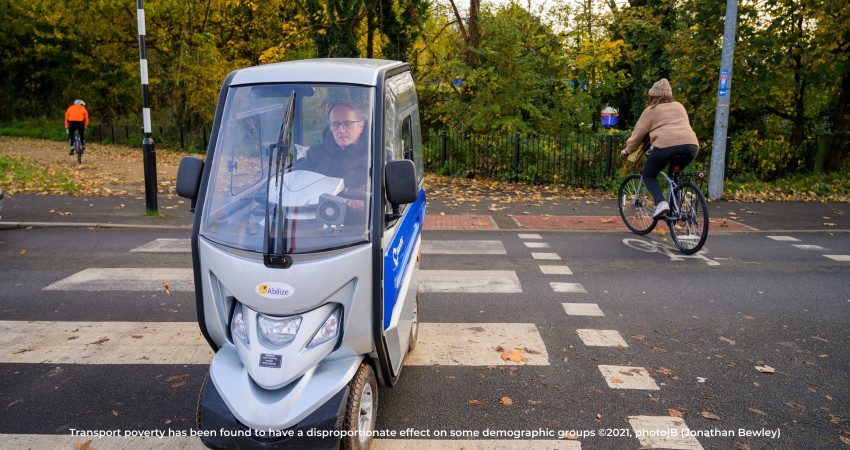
(19, 225)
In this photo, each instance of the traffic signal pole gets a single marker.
(148, 151)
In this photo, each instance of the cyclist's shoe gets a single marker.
(72, 151)
(660, 210)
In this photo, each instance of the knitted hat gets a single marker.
(661, 88)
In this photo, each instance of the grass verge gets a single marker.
(17, 175)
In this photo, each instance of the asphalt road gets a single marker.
(698, 327)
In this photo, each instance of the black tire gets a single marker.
(690, 230)
(361, 410)
(78, 149)
(414, 328)
(634, 206)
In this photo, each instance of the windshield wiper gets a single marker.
(273, 239)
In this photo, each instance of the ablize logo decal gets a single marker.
(275, 290)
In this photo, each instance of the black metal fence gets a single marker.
(574, 160)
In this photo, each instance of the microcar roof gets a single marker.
(330, 70)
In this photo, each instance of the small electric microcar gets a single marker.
(306, 248)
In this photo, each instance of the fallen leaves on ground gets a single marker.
(765, 369)
(515, 355)
(673, 412)
(710, 416)
(107, 170)
(506, 401)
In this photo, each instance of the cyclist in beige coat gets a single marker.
(672, 140)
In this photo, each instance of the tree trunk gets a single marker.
(840, 150)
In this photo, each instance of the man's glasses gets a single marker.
(345, 124)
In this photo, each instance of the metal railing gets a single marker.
(576, 160)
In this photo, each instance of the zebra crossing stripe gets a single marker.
(555, 270)
(166, 246)
(21, 342)
(839, 258)
(601, 338)
(126, 279)
(102, 343)
(624, 377)
(469, 281)
(120, 442)
(663, 432)
(567, 287)
(530, 236)
(478, 344)
(784, 238)
(194, 443)
(536, 245)
(478, 444)
(434, 247)
(582, 309)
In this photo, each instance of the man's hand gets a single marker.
(67, 131)
(355, 204)
(624, 153)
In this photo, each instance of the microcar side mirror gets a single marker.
(189, 178)
(400, 177)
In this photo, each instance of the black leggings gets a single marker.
(81, 126)
(678, 156)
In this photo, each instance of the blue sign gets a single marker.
(724, 83)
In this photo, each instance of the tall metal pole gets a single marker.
(148, 151)
(724, 94)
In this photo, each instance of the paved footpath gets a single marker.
(558, 215)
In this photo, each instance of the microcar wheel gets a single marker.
(361, 409)
(414, 326)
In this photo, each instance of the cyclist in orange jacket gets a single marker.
(76, 119)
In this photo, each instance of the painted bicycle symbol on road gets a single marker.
(664, 249)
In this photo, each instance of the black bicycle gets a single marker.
(78, 146)
(688, 215)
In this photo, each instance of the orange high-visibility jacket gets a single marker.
(76, 113)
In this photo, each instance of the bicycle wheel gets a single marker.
(690, 229)
(78, 148)
(635, 206)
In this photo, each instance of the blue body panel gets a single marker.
(397, 255)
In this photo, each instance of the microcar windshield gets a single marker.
(290, 169)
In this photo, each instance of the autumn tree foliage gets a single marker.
(496, 67)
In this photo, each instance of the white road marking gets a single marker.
(529, 236)
(194, 443)
(469, 281)
(24, 342)
(784, 238)
(477, 344)
(663, 432)
(536, 245)
(809, 247)
(126, 279)
(463, 247)
(166, 246)
(625, 377)
(477, 444)
(582, 309)
(840, 258)
(601, 338)
(546, 256)
(555, 270)
(567, 287)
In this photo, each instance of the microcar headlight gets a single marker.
(238, 327)
(278, 331)
(329, 329)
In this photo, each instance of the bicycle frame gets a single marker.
(673, 200)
